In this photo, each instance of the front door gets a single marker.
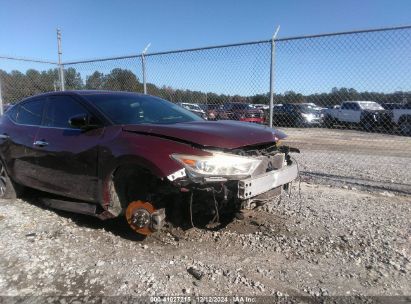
(68, 156)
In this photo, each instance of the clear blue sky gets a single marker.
(106, 28)
(95, 29)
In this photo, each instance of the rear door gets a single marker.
(67, 156)
(356, 113)
(347, 112)
(19, 128)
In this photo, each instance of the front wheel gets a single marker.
(329, 122)
(367, 125)
(8, 189)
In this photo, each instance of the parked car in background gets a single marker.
(240, 111)
(401, 117)
(261, 106)
(194, 108)
(313, 106)
(391, 105)
(296, 115)
(210, 110)
(367, 114)
(110, 154)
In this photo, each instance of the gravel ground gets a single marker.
(348, 234)
(332, 241)
(355, 158)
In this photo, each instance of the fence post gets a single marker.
(143, 66)
(61, 67)
(272, 75)
(1, 100)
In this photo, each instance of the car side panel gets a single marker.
(68, 164)
(17, 151)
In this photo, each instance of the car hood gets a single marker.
(219, 134)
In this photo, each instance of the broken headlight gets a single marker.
(217, 164)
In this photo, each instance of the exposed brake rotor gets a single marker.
(138, 215)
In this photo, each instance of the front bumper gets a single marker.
(254, 186)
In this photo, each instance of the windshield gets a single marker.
(237, 106)
(305, 108)
(139, 109)
(209, 106)
(370, 106)
(193, 107)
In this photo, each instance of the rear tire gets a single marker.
(8, 189)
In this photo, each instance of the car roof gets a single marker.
(84, 93)
(359, 101)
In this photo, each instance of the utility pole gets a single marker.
(143, 66)
(272, 75)
(60, 64)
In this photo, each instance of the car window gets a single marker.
(288, 108)
(371, 106)
(226, 106)
(60, 109)
(12, 112)
(278, 108)
(139, 109)
(346, 106)
(30, 112)
(355, 107)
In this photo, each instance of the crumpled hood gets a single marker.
(223, 134)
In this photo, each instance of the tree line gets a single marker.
(16, 85)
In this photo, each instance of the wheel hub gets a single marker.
(140, 218)
(138, 215)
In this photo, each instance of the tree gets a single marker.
(72, 79)
(122, 80)
(95, 81)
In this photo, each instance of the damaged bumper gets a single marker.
(273, 172)
(254, 186)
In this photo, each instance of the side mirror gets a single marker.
(83, 121)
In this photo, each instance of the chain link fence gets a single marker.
(344, 98)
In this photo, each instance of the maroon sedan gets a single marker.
(241, 111)
(111, 154)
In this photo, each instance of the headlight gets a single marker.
(308, 117)
(217, 164)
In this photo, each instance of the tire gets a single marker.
(8, 189)
(367, 125)
(405, 126)
(299, 123)
(329, 121)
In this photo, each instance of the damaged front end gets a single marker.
(223, 182)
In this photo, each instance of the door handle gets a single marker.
(4, 136)
(40, 143)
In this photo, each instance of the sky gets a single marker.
(95, 29)
(108, 28)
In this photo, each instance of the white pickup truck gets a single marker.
(401, 118)
(367, 114)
